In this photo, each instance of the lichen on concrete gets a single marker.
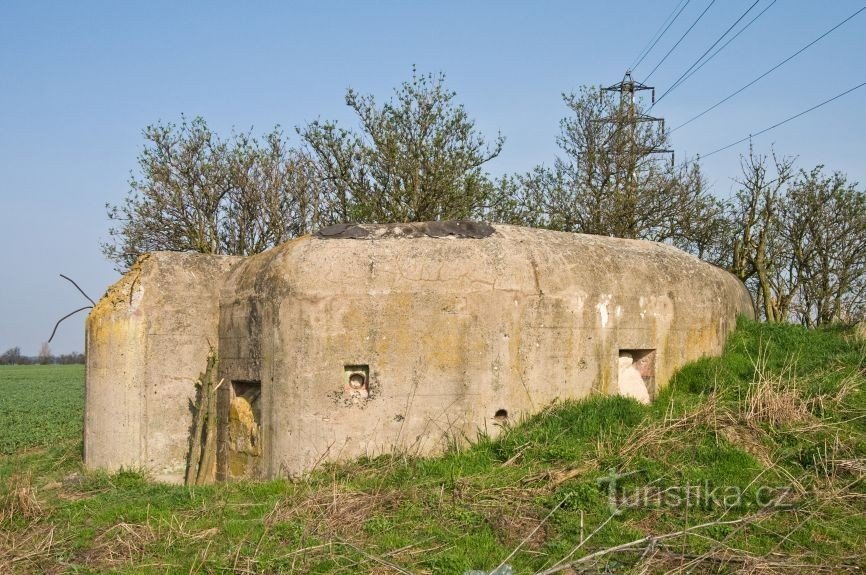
(452, 329)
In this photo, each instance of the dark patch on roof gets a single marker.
(453, 229)
(352, 231)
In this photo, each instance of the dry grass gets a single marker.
(520, 523)
(856, 467)
(664, 553)
(120, 544)
(656, 437)
(20, 501)
(550, 479)
(511, 511)
(125, 544)
(748, 439)
(29, 551)
(778, 399)
(337, 512)
(669, 559)
(337, 515)
(774, 399)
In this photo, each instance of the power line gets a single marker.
(658, 36)
(774, 68)
(686, 33)
(785, 121)
(725, 45)
(681, 79)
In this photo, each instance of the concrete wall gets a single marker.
(147, 342)
(453, 330)
(446, 333)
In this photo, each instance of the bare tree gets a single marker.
(45, 355)
(518, 199)
(799, 241)
(608, 182)
(12, 356)
(197, 192)
(416, 157)
(275, 194)
(759, 255)
(824, 223)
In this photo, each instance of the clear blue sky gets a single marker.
(81, 79)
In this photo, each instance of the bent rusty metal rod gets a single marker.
(56, 325)
(70, 280)
(67, 316)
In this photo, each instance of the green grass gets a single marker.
(40, 405)
(542, 485)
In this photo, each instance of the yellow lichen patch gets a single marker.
(122, 291)
(245, 446)
(243, 429)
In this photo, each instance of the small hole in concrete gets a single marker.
(357, 380)
(501, 415)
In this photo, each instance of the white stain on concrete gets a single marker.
(601, 307)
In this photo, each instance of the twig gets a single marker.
(378, 560)
(517, 455)
(565, 561)
(304, 550)
(581, 526)
(648, 540)
(528, 537)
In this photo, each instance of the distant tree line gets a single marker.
(796, 238)
(12, 356)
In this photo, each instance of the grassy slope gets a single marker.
(782, 415)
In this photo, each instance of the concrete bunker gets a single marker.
(366, 338)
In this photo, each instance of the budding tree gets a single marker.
(195, 191)
(799, 242)
(416, 157)
(759, 254)
(608, 181)
(824, 223)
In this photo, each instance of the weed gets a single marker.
(603, 485)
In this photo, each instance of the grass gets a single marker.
(749, 463)
(57, 416)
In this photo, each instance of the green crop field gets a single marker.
(40, 406)
(750, 463)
